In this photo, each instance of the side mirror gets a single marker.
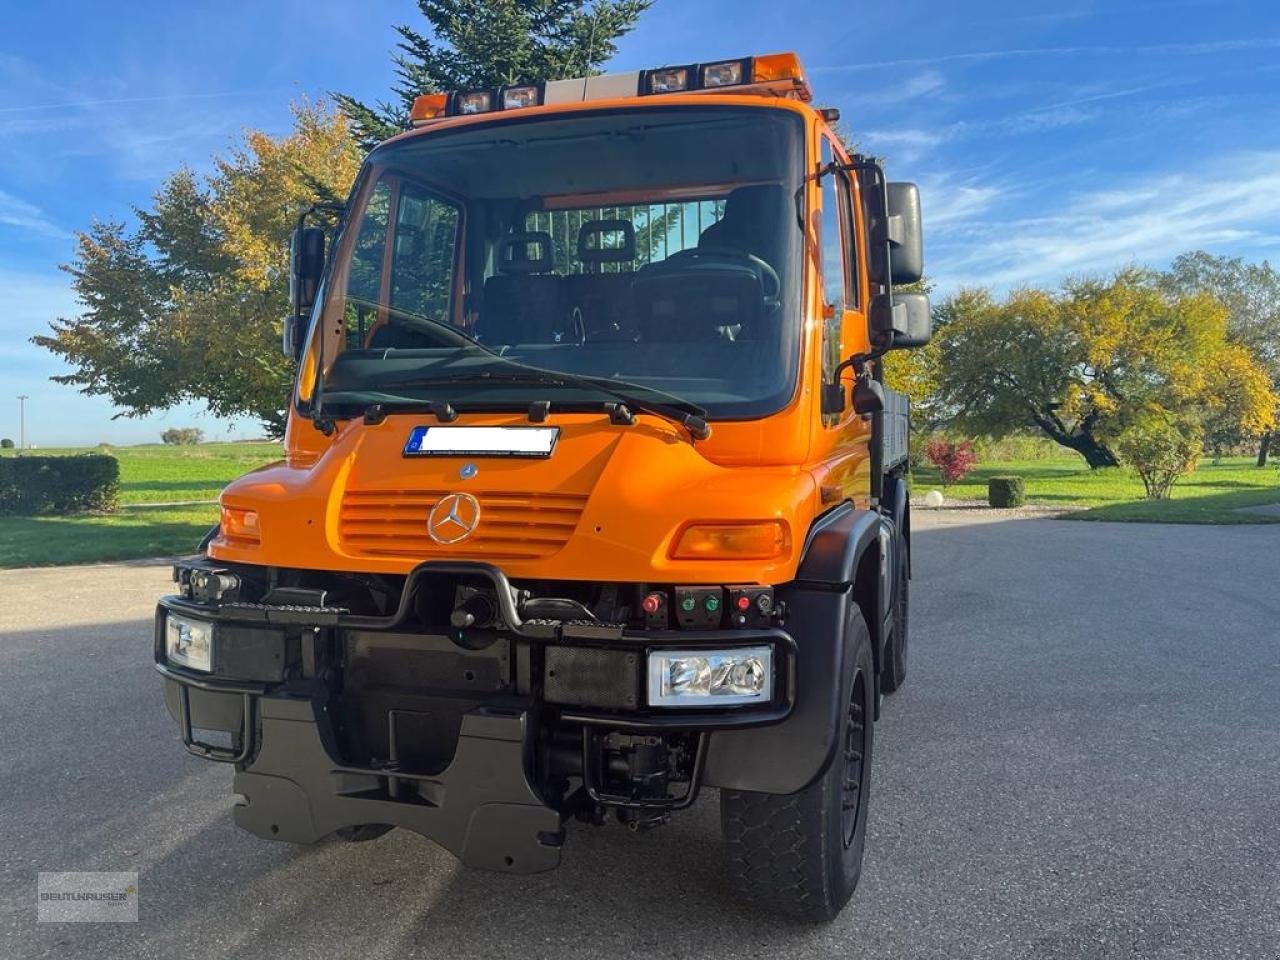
(295, 335)
(306, 264)
(906, 317)
(906, 232)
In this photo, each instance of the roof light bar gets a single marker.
(774, 74)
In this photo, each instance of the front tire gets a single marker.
(801, 853)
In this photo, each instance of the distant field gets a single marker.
(190, 478)
(158, 473)
(1212, 494)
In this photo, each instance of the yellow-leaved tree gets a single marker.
(188, 304)
(1105, 366)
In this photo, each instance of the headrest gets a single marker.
(529, 251)
(607, 241)
(751, 210)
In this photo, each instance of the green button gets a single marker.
(713, 604)
(687, 604)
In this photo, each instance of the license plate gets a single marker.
(481, 441)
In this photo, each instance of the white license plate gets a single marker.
(481, 441)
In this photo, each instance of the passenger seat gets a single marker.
(524, 301)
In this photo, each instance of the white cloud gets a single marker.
(1148, 220)
(16, 212)
(979, 56)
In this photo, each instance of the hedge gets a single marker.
(1006, 491)
(30, 486)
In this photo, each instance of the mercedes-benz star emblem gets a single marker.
(454, 518)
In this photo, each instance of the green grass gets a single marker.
(156, 473)
(1213, 494)
(149, 475)
(137, 531)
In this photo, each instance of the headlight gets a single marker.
(710, 678)
(189, 643)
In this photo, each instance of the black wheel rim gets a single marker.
(854, 747)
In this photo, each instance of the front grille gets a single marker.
(513, 526)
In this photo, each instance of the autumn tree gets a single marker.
(1100, 357)
(187, 305)
(492, 43)
(1251, 294)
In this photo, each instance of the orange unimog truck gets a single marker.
(592, 496)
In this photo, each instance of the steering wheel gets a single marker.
(769, 277)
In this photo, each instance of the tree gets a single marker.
(188, 305)
(1251, 294)
(1084, 365)
(493, 43)
(6, 444)
(1160, 449)
(182, 436)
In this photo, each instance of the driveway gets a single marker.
(1085, 762)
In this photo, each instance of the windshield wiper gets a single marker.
(674, 409)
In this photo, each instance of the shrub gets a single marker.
(1006, 491)
(182, 436)
(6, 444)
(36, 485)
(1160, 451)
(953, 460)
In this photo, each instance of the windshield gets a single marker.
(658, 249)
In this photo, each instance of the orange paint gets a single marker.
(613, 501)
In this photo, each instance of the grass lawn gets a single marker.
(1210, 495)
(149, 475)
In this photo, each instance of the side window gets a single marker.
(365, 278)
(422, 262)
(834, 276)
(849, 224)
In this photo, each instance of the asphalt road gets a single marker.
(1085, 762)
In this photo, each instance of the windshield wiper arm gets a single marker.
(681, 412)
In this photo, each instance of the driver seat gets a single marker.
(753, 221)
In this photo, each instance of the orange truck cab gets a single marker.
(592, 495)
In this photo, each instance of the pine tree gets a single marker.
(491, 43)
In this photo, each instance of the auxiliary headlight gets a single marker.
(710, 678)
(189, 643)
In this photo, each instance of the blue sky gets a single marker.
(1049, 138)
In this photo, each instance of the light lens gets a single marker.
(429, 106)
(652, 603)
(733, 541)
(513, 98)
(477, 101)
(669, 80)
(722, 74)
(710, 678)
(189, 643)
(240, 525)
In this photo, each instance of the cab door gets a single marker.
(845, 436)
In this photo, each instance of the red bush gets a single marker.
(953, 460)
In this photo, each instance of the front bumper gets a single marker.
(274, 697)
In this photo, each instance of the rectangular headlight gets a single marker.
(667, 80)
(514, 98)
(710, 678)
(726, 74)
(473, 101)
(189, 643)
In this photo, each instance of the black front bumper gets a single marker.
(269, 695)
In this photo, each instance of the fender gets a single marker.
(841, 549)
(897, 504)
